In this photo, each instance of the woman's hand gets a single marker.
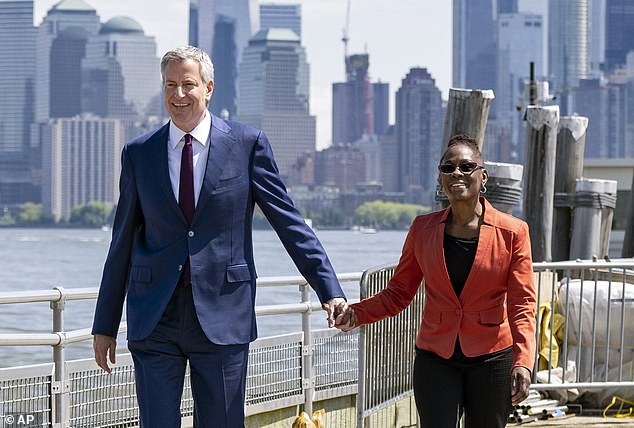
(520, 383)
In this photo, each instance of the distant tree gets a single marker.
(32, 214)
(94, 213)
(329, 217)
(387, 215)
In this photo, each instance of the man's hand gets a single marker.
(347, 320)
(335, 307)
(104, 346)
(520, 382)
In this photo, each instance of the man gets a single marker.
(182, 253)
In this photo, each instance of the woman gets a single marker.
(476, 343)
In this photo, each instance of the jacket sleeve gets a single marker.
(521, 300)
(400, 290)
(127, 222)
(300, 241)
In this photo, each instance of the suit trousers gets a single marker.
(479, 387)
(217, 372)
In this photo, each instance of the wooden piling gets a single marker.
(571, 141)
(539, 177)
(467, 113)
(628, 241)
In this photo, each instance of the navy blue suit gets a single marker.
(151, 240)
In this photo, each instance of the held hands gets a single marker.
(520, 383)
(104, 346)
(340, 315)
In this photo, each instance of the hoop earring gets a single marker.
(483, 189)
(439, 192)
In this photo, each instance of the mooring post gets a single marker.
(571, 141)
(539, 177)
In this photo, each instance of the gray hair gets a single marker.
(189, 52)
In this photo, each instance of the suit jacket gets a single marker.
(151, 238)
(496, 308)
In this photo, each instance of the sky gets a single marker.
(397, 34)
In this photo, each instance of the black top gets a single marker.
(459, 256)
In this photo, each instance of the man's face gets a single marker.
(186, 95)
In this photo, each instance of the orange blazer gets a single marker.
(496, 308)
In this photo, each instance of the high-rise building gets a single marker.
(568, 47)
(81, 162)
(474, 44)
(619, 29)
(119, 71)
(17, 62)
(274, 94)
(275, 15)
(353, 102)
(596, 38)
(66, 52)
(222, 28)
(519, 37)
(381, 95)
(418, 134)
(82, 21)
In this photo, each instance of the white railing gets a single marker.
(284, 370)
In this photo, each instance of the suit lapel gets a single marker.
(220, 145)
(157, 146)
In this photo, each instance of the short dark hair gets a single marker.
(466, 141)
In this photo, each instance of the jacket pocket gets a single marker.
(238, 273)
(141, 273)
(493, 316)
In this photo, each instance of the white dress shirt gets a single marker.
(200, 149)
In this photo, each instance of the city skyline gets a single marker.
(398, 36)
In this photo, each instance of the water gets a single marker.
(36, 259)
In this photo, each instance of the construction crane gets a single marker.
(345, 37)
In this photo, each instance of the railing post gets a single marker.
(308, 377)
(59, 386)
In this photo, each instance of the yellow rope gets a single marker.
(622, 403)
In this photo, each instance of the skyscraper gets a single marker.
(619, 29)
(474, 44)
(418, 134)
(353, 102)
(119, 72)
(274, 15)
(17, 40)
(81, 162)
(519, 37)
(568, 47)
(66, 14)
(274, 94)
(381, 114)
(222, 28)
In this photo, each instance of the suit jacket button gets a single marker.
(180, 268)
(190, 233)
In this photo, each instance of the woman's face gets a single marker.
(459, 185)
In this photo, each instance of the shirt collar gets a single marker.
(200, 132)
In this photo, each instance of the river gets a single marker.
(36, 259)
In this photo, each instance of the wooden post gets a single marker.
(628, 241)
(571, 141)
(539, 177)
(589, 236)
(467, 113)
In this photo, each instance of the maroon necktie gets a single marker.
(186, 196)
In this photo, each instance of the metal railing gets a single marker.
(583, 312)
(284, 370)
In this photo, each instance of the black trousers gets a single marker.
(479, 387)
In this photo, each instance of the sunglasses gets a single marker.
(464, 167)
